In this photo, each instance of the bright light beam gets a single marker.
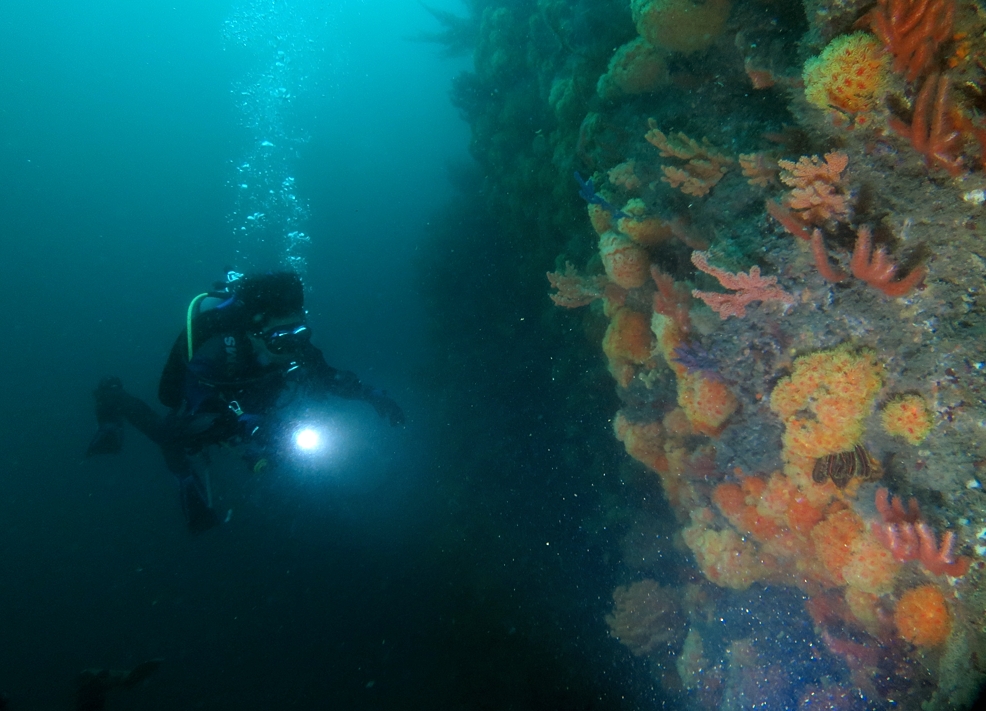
(307, 439)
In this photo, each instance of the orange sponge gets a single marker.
(628, 337)
(626, 263)
(601, 219)
(707, 402)
(680, 25)
(908, 416)
(850, 74)
(922, 616)
(644, 441)
(637, 68)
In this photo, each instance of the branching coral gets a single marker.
(704, 165)
(908, 538)
(759, 169)
(932, 131)
(817, 193)
(912, 31)
(877, 270)
(748, 287)
(574, 290)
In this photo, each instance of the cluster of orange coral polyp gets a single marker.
(849, 75)
(737, 502)
(836, 389)
(908, 416)
(708, 403)
(834, 539)
(922, 616)
(912, 31)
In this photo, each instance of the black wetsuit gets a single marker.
(227, 392)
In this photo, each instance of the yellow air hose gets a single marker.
(193, 308)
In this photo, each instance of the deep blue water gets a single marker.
(120, 133)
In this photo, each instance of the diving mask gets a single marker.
(286, 339)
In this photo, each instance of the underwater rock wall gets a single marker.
(775, 211)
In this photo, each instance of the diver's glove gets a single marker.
(109, 438)
(194, 505)
(386, 407)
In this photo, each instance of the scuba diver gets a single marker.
(244, 356)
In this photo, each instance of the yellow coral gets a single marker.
(680, 25)
(824, 401)
(850, 74)
(871, 567)
(724, 556)
(637, 68)
(908, 416)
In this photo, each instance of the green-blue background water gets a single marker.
(388, 579)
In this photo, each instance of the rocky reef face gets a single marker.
(767, 215)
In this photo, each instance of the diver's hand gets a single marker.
(386, 407)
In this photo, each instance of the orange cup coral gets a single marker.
(922, 616)
(708, 403)
(871, 567)
(849, 75)
(908, 416)
(726, 558)
(834, 540)
(824, 401)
